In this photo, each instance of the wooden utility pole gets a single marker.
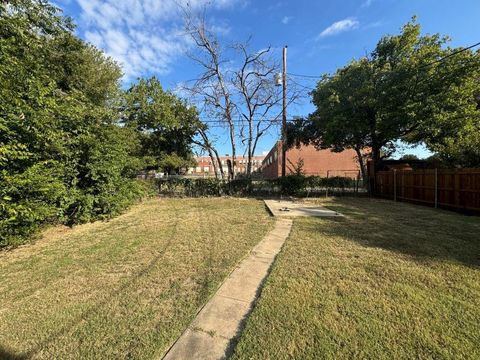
(284, 115)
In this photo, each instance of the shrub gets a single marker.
(240, 187)
(28, 199)
(203, 187)
(292, 184)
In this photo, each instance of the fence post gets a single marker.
(436, 188)
(326, 191)
(394, 185)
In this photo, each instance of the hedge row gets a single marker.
(292, 185)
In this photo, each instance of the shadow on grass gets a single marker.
(6, 354)
(423, 233)
(98, 308)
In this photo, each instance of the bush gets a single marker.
(240, 187)
(292, 185)
(64, 154)
(204, 187)
(28, 199)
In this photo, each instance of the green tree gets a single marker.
(63, 156)
(411, 88)
(166, 125)
(409, 157)
(31, 188)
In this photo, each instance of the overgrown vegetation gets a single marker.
(292, 185)
(389, 281)
(126, 288)
(63, 156)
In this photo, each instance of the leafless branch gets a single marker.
(245, 97)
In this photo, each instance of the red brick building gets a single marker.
(315, 162)
(205, 168)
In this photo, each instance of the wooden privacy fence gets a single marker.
(455, 189)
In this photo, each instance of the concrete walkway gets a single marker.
(284, 208)
(217, 324)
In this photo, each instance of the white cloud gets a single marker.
(286, 20)
(339, 27)
(221, 29)
(375, 24)
(144, 36)
(367, 3)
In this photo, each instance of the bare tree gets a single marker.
(258, 97)
(235, 88)
(211, 87)
(207, 145)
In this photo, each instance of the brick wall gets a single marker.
(316, 162)
(204, 165)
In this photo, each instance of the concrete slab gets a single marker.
(216, 317)
(290, 209)
(255, 266)
(268, 251)
(221, 319)
(196, 344)
(241, 286)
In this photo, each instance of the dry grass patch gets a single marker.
(389, 281)
(125, 288)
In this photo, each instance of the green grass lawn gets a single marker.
(389, 281)
(125, 288)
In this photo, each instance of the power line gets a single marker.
(307, 76)
(420, 67)
(302, 86)
(238, 121)
(449, 56)
(224, 123)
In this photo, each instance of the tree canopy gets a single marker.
(411, 88)
(165, 125)
(64, 155)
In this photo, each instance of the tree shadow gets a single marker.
(420, 232)
(97, 308)
(7, 354)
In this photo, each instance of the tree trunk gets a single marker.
(249, 160)
(211, 152)
(234, 156)
(219, 162)
(376, 157)
(361, 162)
(212, 158)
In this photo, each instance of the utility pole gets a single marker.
(284, 115)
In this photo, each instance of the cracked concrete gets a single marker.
(220, 321)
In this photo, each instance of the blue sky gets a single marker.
(146, 36)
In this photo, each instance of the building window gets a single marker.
(206, 169)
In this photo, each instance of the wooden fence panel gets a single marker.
(447, 188)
